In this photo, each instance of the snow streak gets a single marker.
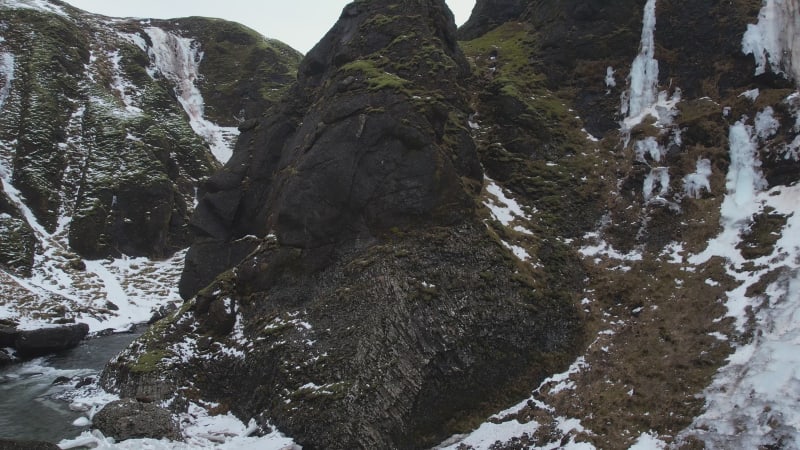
(178, 59)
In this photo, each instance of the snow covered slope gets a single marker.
(691, 294)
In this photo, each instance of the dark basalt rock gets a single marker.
(129, 419)
(49, 340)
(5, 358)
(488, 14)
(343, 283)
(6, 444)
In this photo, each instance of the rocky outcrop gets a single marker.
(488, 14)
(41, 341)
(343, 273)
(129, 419)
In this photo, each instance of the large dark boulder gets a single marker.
(130, 419)
(7, 335)
(49, 340)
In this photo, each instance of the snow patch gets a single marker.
(178, 60)
(649, 441)
(122, 86)
(201, 430)
(504, 208)
(40, 5)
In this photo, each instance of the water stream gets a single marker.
(30, 404)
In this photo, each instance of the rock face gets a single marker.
(107, 128)
(42, 341)
(343, 272)
(490, 14)
(129, 419)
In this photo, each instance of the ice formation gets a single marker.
(643, 78)
(610, 81)
(6, 76)
(695, 183)
(178, 60)
(775, 40)
(744, 178)
(765, 124)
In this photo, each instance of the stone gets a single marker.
(6, 444)
(43, 341)
(129, 419)
(7, 336)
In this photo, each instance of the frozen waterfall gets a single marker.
(178, 59)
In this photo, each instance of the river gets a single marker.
(32, 406)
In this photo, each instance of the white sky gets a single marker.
(299, 23)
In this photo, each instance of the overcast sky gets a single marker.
(299, 23)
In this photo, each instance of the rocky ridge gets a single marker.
(353, 278)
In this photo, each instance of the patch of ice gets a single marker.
(656, 183)
(610, 81)
(765, 124)
(751, 95)
(135, 39)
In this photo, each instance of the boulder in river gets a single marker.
(49, 340)
(130, 419)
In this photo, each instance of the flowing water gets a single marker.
(30, 403)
